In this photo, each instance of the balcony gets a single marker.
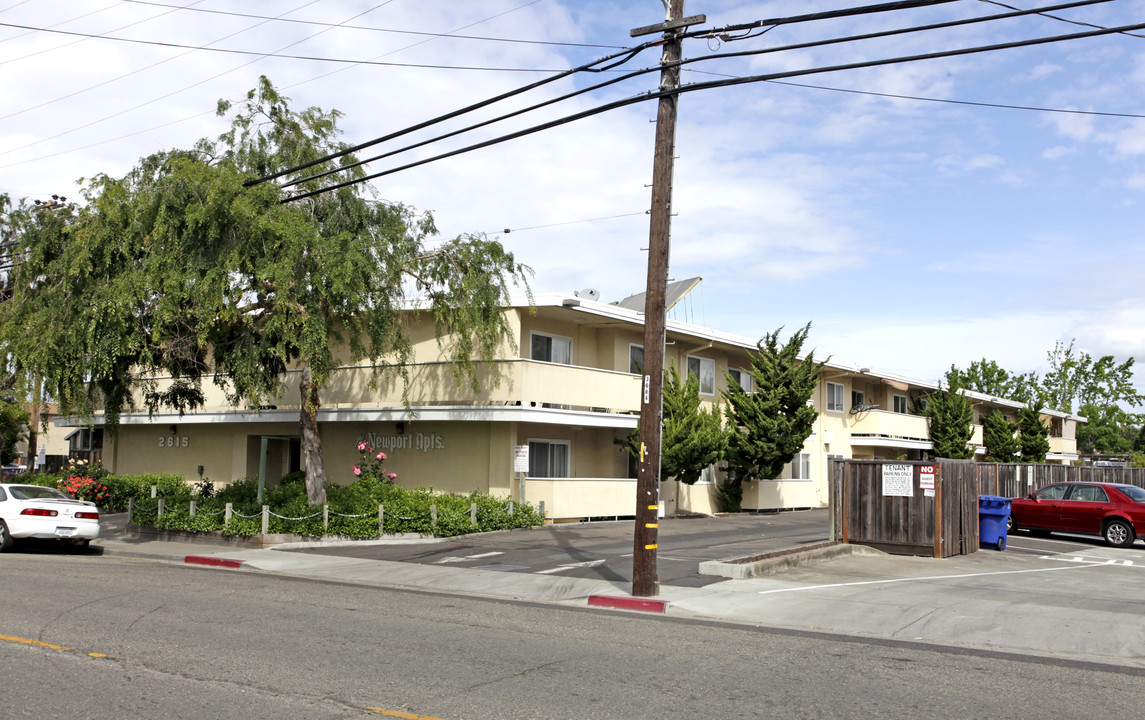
(527, 383)
(875, 427)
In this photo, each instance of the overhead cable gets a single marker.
(378, 29)
(635, 73)
(729, 82)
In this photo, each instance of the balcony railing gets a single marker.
(528, 383)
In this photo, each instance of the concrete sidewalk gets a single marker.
(1079, 605)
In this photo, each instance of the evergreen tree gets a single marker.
(951, 415)
(1139, 441)
(768, 426)
(1000, 437)
(692, 437)
(1034, 434)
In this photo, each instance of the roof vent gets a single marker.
(588, 294)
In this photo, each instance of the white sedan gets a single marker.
(30, 511)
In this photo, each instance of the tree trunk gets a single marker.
(312, 441)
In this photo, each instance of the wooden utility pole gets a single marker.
(645, 581)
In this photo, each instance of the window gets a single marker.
(548, 459)
(835, 397)
(801, 467)
(705, 370)
(857, 398)
(1052, 492)
(742, 377)
(551, 348)
(707, 476)
(901, 405)
(1088, 493)
(636, 359)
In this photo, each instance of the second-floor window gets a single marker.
(636, 359)
(901, 405)
(704, 369)
(858, 398)
(742, 377)
(551, 348)
(835, 397)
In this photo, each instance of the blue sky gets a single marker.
(912, 234)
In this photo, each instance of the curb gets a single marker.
(628, 603)
(213, 561)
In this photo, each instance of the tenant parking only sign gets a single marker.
(898, 481)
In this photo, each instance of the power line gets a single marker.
(613, 81)
(570, 222)
(729, 82)
(1059, 19)
(142, 69)
(972, 103)
(308, 58)
(619, 57)
(383, 30)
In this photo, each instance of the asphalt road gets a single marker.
(146, 639)
(604, 550)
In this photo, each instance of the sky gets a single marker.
(918, 214)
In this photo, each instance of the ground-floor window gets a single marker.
(801, 467)
(548, 459)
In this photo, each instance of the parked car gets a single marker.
(30, 511)
(1113, 511)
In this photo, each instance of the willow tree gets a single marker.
(185, 269)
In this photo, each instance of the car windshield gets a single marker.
(1135, 493)
(34, 492)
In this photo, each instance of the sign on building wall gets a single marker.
(898, 481)
(521, 459)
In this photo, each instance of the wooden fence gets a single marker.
(935, 512)
(1018, 480)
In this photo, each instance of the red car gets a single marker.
(1115, 512)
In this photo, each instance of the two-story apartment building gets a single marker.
(563, 397)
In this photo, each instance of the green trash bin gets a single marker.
(993, 517)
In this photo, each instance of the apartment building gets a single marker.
(544, 425)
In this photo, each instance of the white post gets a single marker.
(433, 516)
(227, 514)
(160, 513)
(473, 513)
(265, 519)
(193, 508)
(154, 491)
(325, 519)
(381, 520)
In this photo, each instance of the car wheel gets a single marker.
(1010, 526)
(6, 540)
(1118, 533)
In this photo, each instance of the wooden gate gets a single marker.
(908, 508)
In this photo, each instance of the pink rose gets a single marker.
(392, 476)
(357, 470)
(381, 456)
(361, 446)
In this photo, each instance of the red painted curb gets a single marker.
(628, 603)
(212, 561)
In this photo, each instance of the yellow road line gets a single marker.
(26, 641)
(400, 714)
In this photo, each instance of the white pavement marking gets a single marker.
(457, 558)
(932, 577)
(574, 566)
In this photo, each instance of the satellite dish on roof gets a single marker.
(587, 294)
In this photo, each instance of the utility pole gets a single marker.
(645, 581)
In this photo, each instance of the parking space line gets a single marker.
(931, 577)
